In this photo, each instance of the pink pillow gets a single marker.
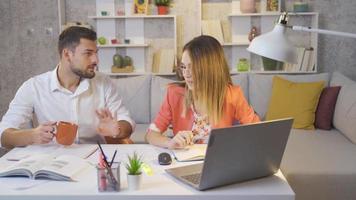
(326, 106)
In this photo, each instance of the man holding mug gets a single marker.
(72, 92)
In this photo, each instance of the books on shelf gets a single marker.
(45, 166)
(226, 29)
(191, 153)
(163, 61)
(81, 151)
(305, 62)
(212, 28)
(309, 57)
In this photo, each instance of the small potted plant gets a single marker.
(162, 6)
(134, 172)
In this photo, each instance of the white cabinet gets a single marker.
(146, 34)
(236, 27)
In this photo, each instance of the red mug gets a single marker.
(66, 132)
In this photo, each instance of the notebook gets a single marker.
(237, 154)
(191, 153)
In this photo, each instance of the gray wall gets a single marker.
(22, 53)
(25, 54)
(337, 53)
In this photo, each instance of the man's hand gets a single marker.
(181, 139)
(43, 133)
(108, 125)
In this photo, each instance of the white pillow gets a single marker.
(345, 108)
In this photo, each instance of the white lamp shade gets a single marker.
(274, 45)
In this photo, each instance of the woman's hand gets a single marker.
(181, 140)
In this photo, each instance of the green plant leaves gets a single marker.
(162, 2)
(134, 165)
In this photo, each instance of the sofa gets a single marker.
(318, 164)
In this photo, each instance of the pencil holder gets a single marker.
(109, 178)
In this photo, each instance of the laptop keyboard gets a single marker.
(193, 178)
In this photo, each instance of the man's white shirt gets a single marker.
(42, 99)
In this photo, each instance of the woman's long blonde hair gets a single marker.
(211, 76)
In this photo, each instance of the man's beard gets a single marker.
(82, 74)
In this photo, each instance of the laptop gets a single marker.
(237, 154)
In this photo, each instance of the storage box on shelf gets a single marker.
(138, 36)
(236, 27)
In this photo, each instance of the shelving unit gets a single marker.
(143, 31)
(240, 25)
(150, 33)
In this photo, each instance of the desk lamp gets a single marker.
(276, 46)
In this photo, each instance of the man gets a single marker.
(71, 92)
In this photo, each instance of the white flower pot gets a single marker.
(134, 181)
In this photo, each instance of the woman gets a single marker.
(206, 100)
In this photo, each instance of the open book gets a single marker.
(79, 150)
(44, 166)
(191, 153)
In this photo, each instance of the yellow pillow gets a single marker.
(293, 99)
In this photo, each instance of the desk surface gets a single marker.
(158, 186)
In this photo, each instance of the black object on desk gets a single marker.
(164, 158)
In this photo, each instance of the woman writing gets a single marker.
(207, 99)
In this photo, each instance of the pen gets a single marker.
(108, 168)
(113, 157)
(102, 152)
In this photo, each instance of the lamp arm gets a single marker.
(322, 31)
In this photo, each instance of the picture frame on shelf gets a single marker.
(140, 7)
(271, 5)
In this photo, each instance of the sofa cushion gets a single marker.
(242, 81)
(138, 136)
(158, 91)
(345, 109)
(135, 92)
(326, 106)
(260, 88)
(319, 165)
(297, 100)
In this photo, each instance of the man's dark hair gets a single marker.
(70, 37)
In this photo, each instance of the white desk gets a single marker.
(158, 186)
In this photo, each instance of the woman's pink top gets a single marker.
(236, 110)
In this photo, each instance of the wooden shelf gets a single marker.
(123, 45)
(236, 44)
(270, 14)
(273, 72)
(138, 74)
(132, 17)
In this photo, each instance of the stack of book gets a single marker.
(305, 62)
(163, 61)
